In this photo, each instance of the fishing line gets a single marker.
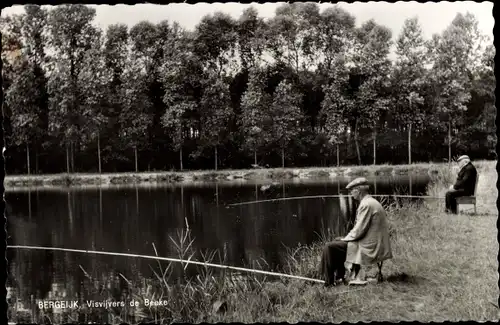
(166, 259)
(332, 196)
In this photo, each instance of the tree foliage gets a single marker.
(251, 33)
(72, 37)
(286, 115)
(409, 74)
(255, 115)
(304, 81)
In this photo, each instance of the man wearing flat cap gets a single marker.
(464, 186)
(366, 244)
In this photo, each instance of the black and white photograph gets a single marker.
(250, 162)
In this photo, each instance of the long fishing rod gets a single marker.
(166, 259)
(332, 196)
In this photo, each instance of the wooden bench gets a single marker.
(469, 199)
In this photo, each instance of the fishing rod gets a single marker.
(332, 196)
(227, 267)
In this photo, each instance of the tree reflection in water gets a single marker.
(103, 219)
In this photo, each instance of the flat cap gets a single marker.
(360, 181)
(463, 157)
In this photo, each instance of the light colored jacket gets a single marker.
(368, 241)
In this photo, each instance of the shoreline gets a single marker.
(239, 175)
(444, 268)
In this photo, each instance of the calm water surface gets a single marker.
(130, 220)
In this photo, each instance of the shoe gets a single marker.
(359, 279)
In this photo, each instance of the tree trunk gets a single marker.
(71, 156)
(449, 143)
(283, 157)
(215, 149)
(338, 155)
(409, 140)
(36, 159)
(74, 104)
(67, 158)
(374, 147)
(356, 141)
(99, 151)
(135, 158)
(255, 156)
(409, 144)
(180, 158)
(28, 157)
(72, 147)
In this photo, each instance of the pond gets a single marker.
(132, 219)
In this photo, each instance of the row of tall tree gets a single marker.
(305, 87)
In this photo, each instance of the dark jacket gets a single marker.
(466, 179)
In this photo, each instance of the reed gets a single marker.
(444, 268)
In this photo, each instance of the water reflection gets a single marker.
(132, 219)
(29, 203)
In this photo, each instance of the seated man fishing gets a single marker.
(464, 186)
(366, 244)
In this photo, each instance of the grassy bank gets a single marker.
(276, 174)
(444, 268)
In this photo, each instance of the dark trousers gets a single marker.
(451, 199)
(332, 261)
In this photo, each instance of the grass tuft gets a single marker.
(444, 268)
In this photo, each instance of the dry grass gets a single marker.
(444, 268)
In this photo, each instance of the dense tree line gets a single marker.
(304, 88)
